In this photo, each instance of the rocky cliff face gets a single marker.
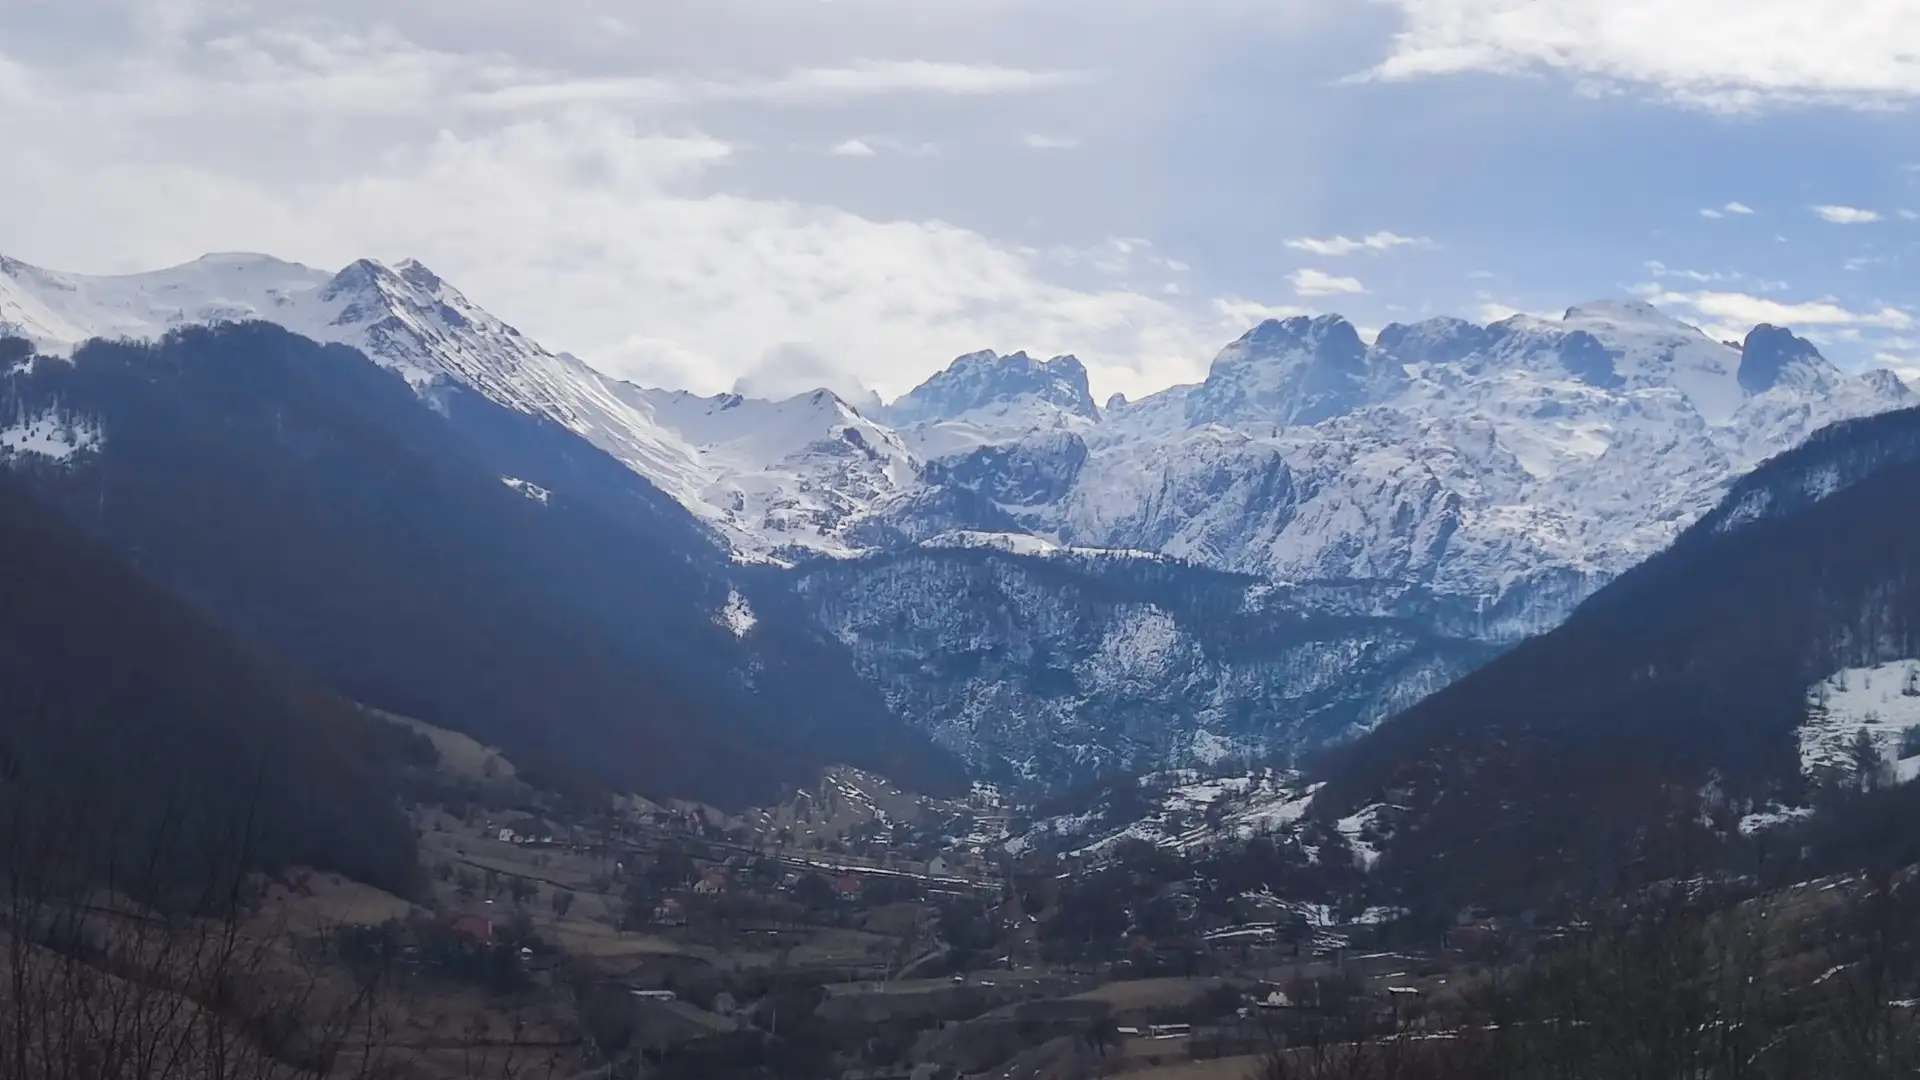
(1054, 667)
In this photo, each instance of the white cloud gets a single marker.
(1721, 54)
(1049, 142)
(1243, 313)
(1492, 311)
(1737, 208)
(1337, 246)
(852, 148)
(1908, 215)
(609, 230)
(1662, 270)
(1711, 214)
(1745, 310)
(1310, 282)
(802, 86)
(1845, 215)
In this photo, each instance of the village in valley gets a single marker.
(858, 931)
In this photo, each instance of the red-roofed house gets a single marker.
(474, 926)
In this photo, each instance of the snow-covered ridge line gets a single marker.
(1518, 464)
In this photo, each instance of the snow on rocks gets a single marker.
(737, 616)
(1863, 717)
(528, 488)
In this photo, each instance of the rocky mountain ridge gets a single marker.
(1422, 500)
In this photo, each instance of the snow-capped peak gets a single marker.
(1274, 337)
(791, 473)
(1627, 346)
(1772, 356)
(1443, 340)
(986, 379)
(57, 311)
(1285, 372)
(1616, 312)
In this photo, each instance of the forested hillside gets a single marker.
(133, 730)
(1669, 702)
(312, 502)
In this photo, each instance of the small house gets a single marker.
(473, 927)
(711, 883)
(848, 887)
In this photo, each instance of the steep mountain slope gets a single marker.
(128, 721)
(1678, 690)
(319, 505)
(794, 474)
(1050, 668)
(409, 320)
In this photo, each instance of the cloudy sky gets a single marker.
(782, 193)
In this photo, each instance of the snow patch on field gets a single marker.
(49, 434)
(1364, 853)
(1882, 702)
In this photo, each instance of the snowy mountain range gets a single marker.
(1483, 478)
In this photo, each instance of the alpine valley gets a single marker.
(1319, 535)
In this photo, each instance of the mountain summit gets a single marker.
(1285, 373)
(984, 380)
(1772, 356)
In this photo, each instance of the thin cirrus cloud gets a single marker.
(898, 76)
(1339, 246)
(812, 85)
(1728, 55)
(1240, 312)
(1049, 142)
(866, 146)
(1661, 270)
(1307, 281)
(1845, 215)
